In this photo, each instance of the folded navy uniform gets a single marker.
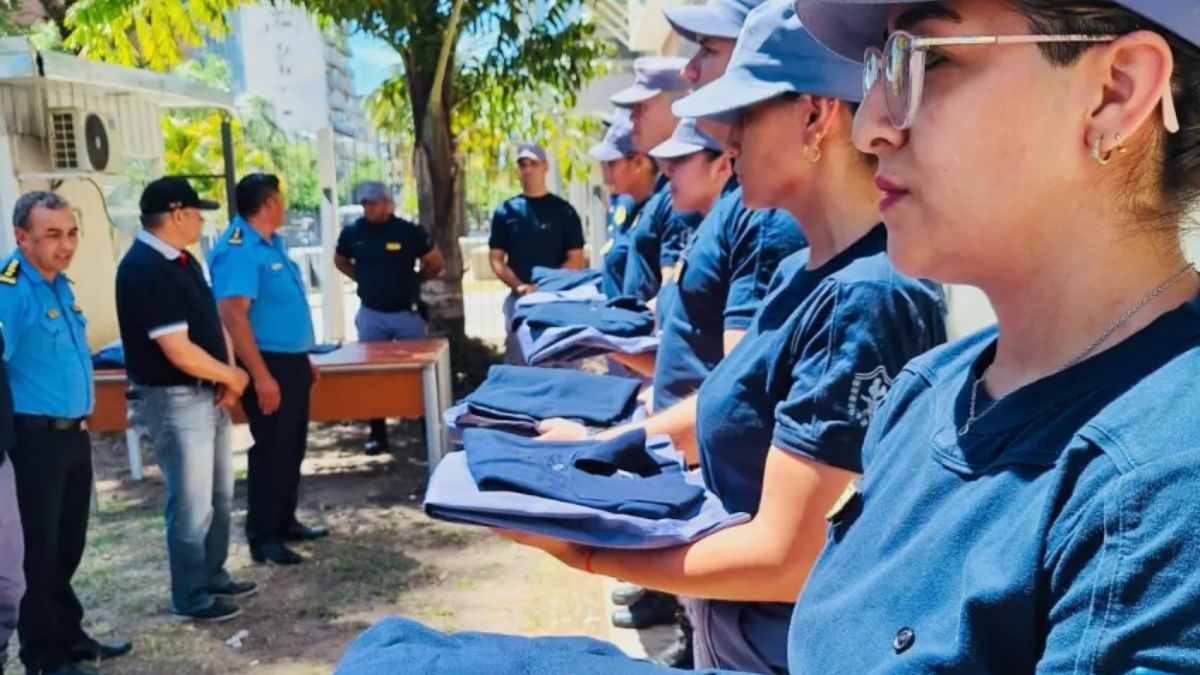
(550, 333)
(517, 398)
(453, 496)
(399, 645)
(618, 475)
(550, 279)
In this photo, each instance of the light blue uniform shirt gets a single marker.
(244, 265)
(49, 363)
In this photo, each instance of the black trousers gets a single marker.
(280, 440)
(54, 488)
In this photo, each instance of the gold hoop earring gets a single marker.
(812, 153)
(1103, 158)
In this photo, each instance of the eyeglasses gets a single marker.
(902, 65)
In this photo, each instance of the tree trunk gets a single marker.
(440, 200)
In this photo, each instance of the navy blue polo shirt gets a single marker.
(535, 232)
(1058, 535)
(622, 212)
(161, 290)
(656, 240)
(722, 278)
(385, 259)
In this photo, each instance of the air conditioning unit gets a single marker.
(85, 141)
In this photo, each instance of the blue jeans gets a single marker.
(190, 435)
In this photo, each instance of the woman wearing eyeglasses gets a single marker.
(779, 423)
(1029, 501)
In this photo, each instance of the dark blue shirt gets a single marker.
(656, 239)
(385, 259)
(721, 281)
(45, 336)
(807, 377)
(161, 290)
(621, 214)
(1057, 536)
(535, 232)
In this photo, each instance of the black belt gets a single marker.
(50, 423)
(131, 393)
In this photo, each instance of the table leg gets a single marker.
(433, 416)
(133, 445)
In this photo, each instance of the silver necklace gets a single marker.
(1113, 327)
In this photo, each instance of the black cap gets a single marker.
(167, 194)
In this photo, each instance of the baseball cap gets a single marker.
(774, 55)
(715, 18)
(652, 75)
(687, 139)
(848, 27)
(617, 143)
(170, 193)
(531, 151)
(372, 191)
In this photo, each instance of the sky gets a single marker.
(371, 61)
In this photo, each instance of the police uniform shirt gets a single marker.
(1057, 535)
(535, 232)
(656, 240)
(244, 265)
(161, 290)
(622, 213)
(722, 279)
(45, 334)
(807, 377)
(385, 256)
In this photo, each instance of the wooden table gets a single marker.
(359, 381)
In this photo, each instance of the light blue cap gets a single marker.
(617, 143)
(531, 151)
(715, 18)
(687, 139)
(774, 55)
(848, 27)
(372, 191)
(653, 75)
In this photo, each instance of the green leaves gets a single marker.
(155, 34)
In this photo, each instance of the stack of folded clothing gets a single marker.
(553, 280)
(620, 493)
(567, 331)
(400, 645)
(517, 398)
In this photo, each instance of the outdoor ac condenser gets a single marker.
(81, 140)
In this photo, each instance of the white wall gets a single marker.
(284, 58)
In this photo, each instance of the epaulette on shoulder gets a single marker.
(11, 269)
(235, 239)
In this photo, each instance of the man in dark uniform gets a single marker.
(381, 252)
(12, 542)
(264, 306)
(533, 229)
(50, 370)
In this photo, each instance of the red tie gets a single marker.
(183, 259)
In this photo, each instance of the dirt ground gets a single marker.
(384, 557)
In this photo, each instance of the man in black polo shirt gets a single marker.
(12, 541)
(381, 252)
(183, 382)
(533, 229)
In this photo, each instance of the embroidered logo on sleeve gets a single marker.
(867, 393)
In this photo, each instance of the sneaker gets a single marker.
(235, 589)
(220, 610)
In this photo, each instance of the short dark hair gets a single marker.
(30, 200)
(253, 190)
(1176, 178)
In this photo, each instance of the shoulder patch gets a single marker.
(11, 270)
(235, 239)
(620, 215)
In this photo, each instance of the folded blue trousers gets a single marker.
(542, 393)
